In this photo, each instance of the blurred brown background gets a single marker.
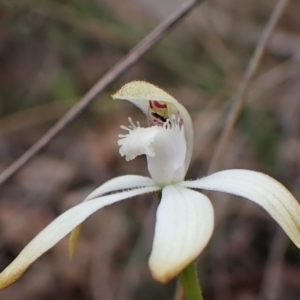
(52, 52)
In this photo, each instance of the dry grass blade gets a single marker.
(240, 96)
(131, 58)
(271, 280)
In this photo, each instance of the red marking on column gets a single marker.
(157, 104)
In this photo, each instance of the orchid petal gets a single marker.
(58, 229)
(141, 92)
(185, 221)
(115, 184)
(261, 189)
(120, 183)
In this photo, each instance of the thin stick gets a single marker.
(131, 58)
(239, 98)
(178, 291)
(271, 278)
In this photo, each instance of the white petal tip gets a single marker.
(165, 273)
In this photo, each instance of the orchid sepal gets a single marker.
(184, 225)
(261, 189)
(112, 185)
(58, 229)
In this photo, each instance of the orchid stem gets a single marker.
(190, 283)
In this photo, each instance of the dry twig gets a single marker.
(240, 96)
(282, 44)
(271, 278)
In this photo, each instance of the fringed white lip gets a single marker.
(164, 146)
(137, 141)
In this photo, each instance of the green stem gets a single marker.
(190, 284)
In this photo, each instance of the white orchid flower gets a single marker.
(185, 218)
